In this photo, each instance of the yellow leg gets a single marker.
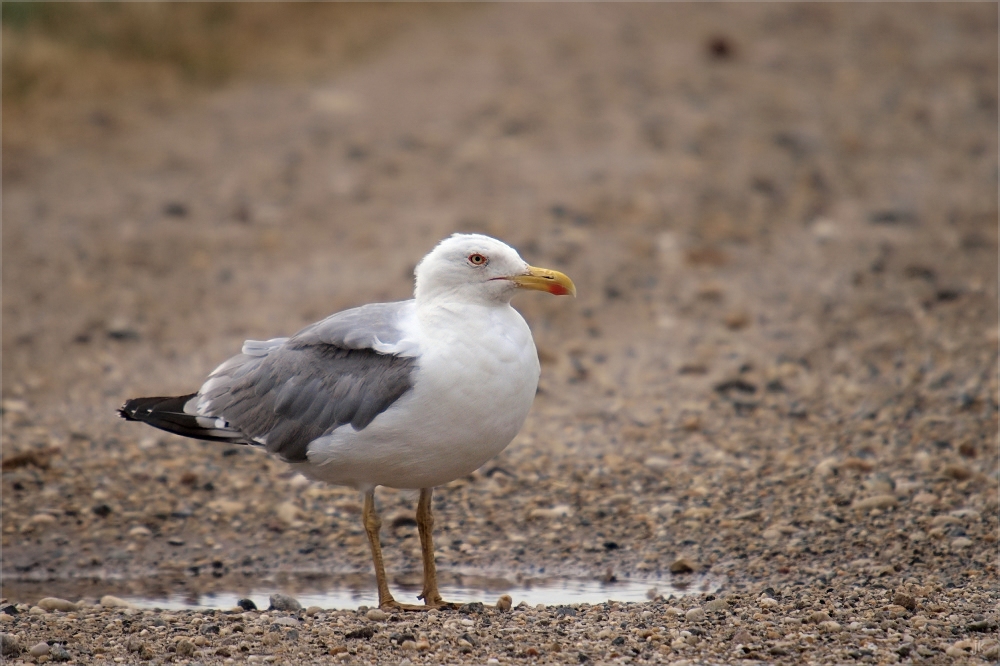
(372, 526)
(425, 525)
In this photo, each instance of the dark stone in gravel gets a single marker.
(210, 629)
(472, 639)
(283, 602)
(59, 653)
(363, 632)
(9, 646)
(247, 604)
(565, 611)
(474, 607)
(102, 510)
(399, 638)
(9, 609)
(905, 600)
(175, 209)
(982, 625)
(619, 641)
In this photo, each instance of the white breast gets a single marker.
(476, 378)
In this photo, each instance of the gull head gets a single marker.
(472, 268)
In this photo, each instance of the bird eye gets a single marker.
(477, 259)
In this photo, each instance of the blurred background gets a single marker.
(781, 218)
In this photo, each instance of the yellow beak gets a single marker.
(543, 279)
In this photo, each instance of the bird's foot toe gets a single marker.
(392, 605)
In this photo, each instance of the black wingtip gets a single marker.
(167, 413)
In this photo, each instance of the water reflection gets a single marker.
(549, 591)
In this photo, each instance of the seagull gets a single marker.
(410, 395)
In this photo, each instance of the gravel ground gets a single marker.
(780, 373)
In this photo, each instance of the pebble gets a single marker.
(9, 645)
(287, 622)
(768, 602)
(37, 610)
(109, 601)
(283, 602)
(504, 602)
(682, 565)
(716, 605)
(961, 542)
(313, 610)
(56, 604)
(185, 648)
(59, 653)
(376, 615)
(875, 502)
(658, 463)
(695, 615)
(140, 531)
(39, 649)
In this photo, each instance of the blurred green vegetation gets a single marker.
(206, 43)
(61, 57)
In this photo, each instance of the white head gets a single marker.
(472, 268)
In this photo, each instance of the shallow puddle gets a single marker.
(550, 592)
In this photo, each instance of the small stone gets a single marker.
(830, 626)
(59, 653)
(768, 602)
(961, 542)
(287, 622)
(283, 602)
(875, 502)
(37, 610)
(504, 603)
(695, 615)
(409, 645)
(818, 617)
(905, 600)
(9, 646)
(716, 605)
(742, 637)
(176, 541)
(185, 648)
(313, 610)
(925, 498)
(247, 604)
(56, 604)
(658, 463)
(39, 649)
(209, 629)
(376, 615)
(560, 511)
(531, 652)
(109, 601)
(682, 565)
(956, 472)
(140, 531)
(338, 649)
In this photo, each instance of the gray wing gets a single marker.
(285, 393)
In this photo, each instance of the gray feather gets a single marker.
(288, 392)
(360, 328)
